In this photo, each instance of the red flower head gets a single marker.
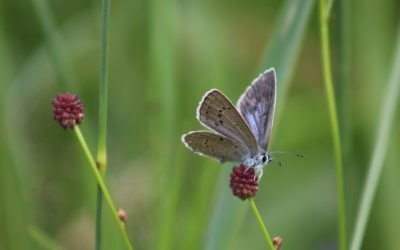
(244, 182)
(67, 110)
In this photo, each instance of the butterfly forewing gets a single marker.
(218, 113)
(215, 146)
(257, 106)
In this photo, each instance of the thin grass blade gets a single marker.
(331, 101)
(378, 157)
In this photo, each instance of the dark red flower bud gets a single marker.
(67, 110)
(244, 182)
(122, 215)
(277, 241)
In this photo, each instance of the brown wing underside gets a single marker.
(217, 113)
(216, 146)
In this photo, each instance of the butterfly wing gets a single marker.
(216, 112)
(216, 146)
(257, 106)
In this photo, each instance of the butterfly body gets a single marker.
(258, 162)
(241, 133)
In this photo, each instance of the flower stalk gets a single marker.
(261, 224)
(102, 186)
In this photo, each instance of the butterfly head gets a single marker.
(258, 163)
(265, 159)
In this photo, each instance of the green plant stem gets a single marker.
(101, 184)
(261, 223)
(99, 206)
(102, 131)
(375, 168)
(329, 7)
(103, 90)
(326, 61)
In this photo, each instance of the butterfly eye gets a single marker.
(264, 158)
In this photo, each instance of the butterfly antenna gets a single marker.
(275, 160)
(278, 162)
(286, 153)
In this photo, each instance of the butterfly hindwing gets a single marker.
(216, 146)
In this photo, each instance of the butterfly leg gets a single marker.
(259, 171)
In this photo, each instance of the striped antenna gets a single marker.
(285, 153)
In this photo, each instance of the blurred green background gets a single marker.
(163, 56)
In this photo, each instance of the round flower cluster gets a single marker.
(244, 182)
(67, 110)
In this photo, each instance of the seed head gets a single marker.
(67, 110)
(244, 182)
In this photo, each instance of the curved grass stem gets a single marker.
(330, 94)
(101, 184)
(390, 102)
(261, 223)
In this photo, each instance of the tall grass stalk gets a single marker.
(389, 106)
(261, 223)
(343, 75)
(326, 61)
(329, 7)
(102, 131)
(101, 184)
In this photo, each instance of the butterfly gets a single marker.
(241, 133)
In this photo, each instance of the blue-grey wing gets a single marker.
(257, 106)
